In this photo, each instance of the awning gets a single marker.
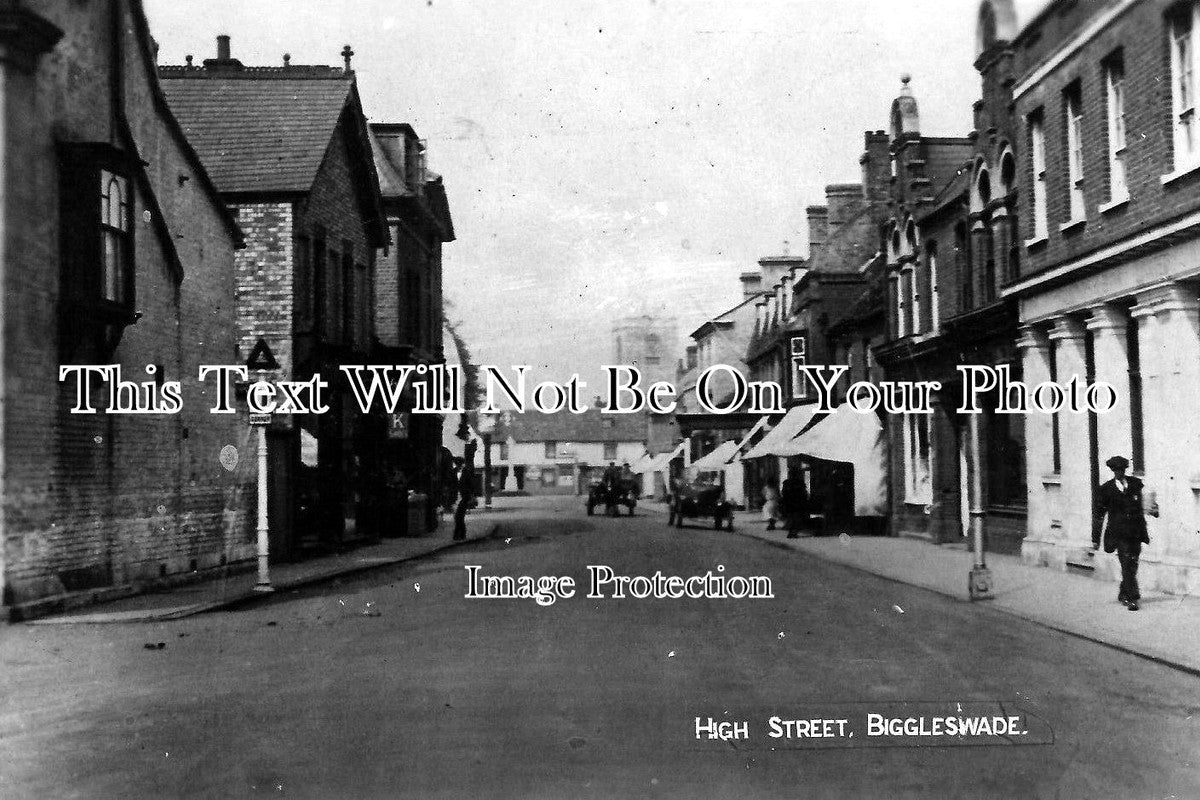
(748, 440)
(640, 463)
(854, 438)
(792, 423)
(715, 461)
(659, 462)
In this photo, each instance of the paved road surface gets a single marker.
(438, 696)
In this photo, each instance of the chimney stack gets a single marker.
(223, 47)
(818, 230)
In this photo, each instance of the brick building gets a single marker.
(116, 250)
(796, 316)
(1107, 288)
(948, 246)
(290, 150)
(408, 299)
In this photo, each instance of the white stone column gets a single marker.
(1069, 336)
(1169, 339)
(1114, 431)
(1034, 346)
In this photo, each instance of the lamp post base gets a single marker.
(979, 583)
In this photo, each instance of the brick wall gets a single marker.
(333, 206)
(1141, 32)
(265, 281)
(94, 501)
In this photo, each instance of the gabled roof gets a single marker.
(259, 129)
(590, 426)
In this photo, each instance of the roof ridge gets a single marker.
(289, 71)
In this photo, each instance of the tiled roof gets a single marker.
(590, 426)
(259, 130)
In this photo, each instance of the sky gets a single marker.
(612, 157)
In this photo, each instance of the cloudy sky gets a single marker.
(607, 157)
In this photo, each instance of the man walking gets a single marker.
(793, 500)
(1119, 513)
(466, 491)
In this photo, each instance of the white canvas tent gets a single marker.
(792, 423)
(854, 438)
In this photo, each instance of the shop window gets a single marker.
(1005, 441)
(918, 471)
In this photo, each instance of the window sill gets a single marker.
(1072, 225)
(1036, 241)
(1114, 204)
(1186, 169)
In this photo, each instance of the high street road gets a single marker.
(393, 684)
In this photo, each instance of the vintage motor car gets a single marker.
(699, 499)
(611, 494)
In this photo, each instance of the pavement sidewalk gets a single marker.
(236, 588)
(1166, 629)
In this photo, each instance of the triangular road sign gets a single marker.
(261, 357)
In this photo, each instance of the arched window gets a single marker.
(115, 233)
(983, 189)
(895, 244)
(653, 348)
(932, 266)
(962, 264)
(1008, 172)
(910, 236)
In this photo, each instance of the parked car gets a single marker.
(611, 495)
(698, 500)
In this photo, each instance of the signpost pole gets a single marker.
(264, 528)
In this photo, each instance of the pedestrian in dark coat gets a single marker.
(466, 491)
(793, 501)
(1121, 516)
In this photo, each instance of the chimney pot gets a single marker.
(223, 47)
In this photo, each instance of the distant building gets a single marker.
(117, 250)
(561, 453)
(289, 148)
(650, 343)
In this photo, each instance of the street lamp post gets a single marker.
(979, 581)
(260, 423)
(487, 426)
